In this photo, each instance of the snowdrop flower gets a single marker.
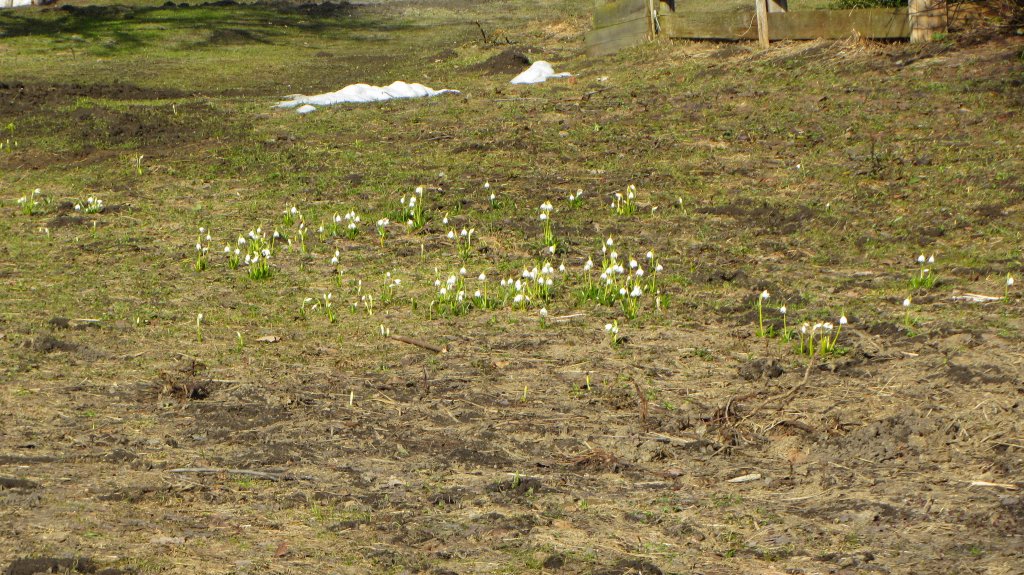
(237, 251)
(614, 255)
(650, 255)
(199, 247)
(637, 292)
(633, 264)
(462, 271)
(451, 234)
(543, 216)
(1009, 280)
(78, 207)
(437, 283)
(639, 272)
(543, 312)
(546, 207)
(906, 302)
(561, 268)
(276, 235)
(493, 197)
(208, 238)
(419, 190)
(589, 265)
(487, 185)
(241, 241)
(266, 253)
(843, 320)
(482, 277)
(477, 294)
(931, 259)
(294, 210)
(920, 259)
(443, 291)
(782, 310)
(658, 268)
(551, 249)
(765, 295)
(622, 292)
(464, 232)
(452, 280)
(518, 298)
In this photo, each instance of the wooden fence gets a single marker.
(623, 23)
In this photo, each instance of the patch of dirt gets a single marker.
(19, 96)
(509, 61)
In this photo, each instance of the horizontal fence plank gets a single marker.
(877, 23)
(609, 40)
(736, 24)
(619, 11)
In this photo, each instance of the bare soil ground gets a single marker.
(265, 438)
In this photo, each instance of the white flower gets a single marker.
(462, 271)
(589, 265)
(1009, 280)
(607, 327)
(622, 292)
(199, 247)
(443, 291)
(493, 197)
(906, 302)
(477, 294)
(437, 283)
(334, 260)
(543, 312)
(650, 255)
(199, 318)
(765, 295)
(561, 268)
(920, 259)
(78, 207)
(276, 235)
(658, 268)
(609, 242)
(614, 255)
(543, 216)
(931, 259)
(487, 185)
(237, 251)
(464, 232)
(782, 310)
(551, 249)
(639, 272)
(227, 249)
(843, 320)
(632, 264)
(266, 253)
(637, 292)
(451, 234)
(518, 298)
(241, 241)
(295, 210)
(419, 190)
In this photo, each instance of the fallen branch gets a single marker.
(420, 343)
(216, 470)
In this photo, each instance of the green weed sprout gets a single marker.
(1009, 284)
(302, 236)
(545, 218)
(199, 327)
(612, 329)
(761, 299)
(240, 341)
(138, 164)
(382, 229)
(10, 142)
(925, 277)
(412, 209)
(576, 199)
(33, 203)
(625, 204)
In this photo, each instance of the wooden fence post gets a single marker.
(778, 5)
(927, 18)
(761, 10)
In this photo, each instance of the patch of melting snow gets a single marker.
(359, 94)
(14, 3)
(539, 71)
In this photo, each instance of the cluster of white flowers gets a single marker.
(625, 204)
(90, 206)
(818, 337)
(622, 281)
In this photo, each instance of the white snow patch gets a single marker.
(361, 93)
(538, 72)
(15, 3)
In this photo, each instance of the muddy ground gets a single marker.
(268, 440)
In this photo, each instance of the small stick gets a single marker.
(420, 343)
(260, 474)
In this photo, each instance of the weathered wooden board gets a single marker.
(878, 23)
(618, 11)
(611, 39)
